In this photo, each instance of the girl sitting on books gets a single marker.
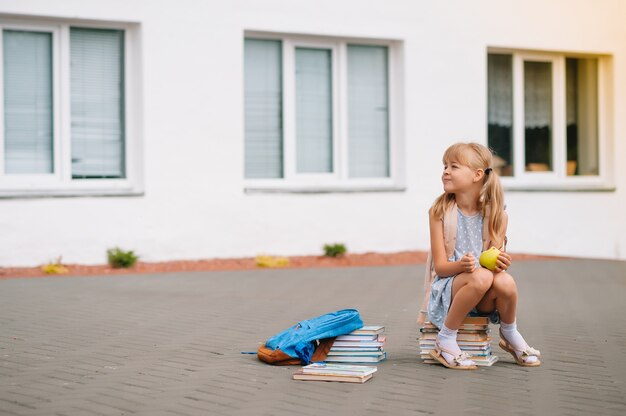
(465, 220)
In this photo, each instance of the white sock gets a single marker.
(516, 339)
(447, 339)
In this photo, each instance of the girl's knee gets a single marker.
(483, 279)
(504, 284)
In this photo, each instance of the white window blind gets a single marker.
(538, 115)
(314, 108)
(368, 111)
(97, 103)
(263, 109)
(500, 111)
(28, 125)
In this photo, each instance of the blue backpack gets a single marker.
(299, 344)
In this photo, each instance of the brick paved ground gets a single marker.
(171, 344)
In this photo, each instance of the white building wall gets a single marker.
(191, 128)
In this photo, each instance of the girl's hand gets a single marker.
(468, 263)
(503, 262)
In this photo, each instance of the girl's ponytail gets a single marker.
(492, 198)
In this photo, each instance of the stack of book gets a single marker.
(365, 345)
(473, 338)
(335, 372)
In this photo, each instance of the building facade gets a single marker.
(205, 129)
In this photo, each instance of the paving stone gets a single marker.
(170, 344)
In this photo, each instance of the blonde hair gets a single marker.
(476, 156)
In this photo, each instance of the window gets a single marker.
(97, 100)
(317, 113)
(544, 119)
(28, 136)
(63, 109)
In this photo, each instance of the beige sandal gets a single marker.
(436, 355)
(528, 352)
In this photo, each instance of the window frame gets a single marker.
(48, 178)
(60, 182)
(338, 180)
(289, 112)
(557, 179)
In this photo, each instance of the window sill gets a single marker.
(557, 188)
(547, 183)
(68, 193)
(320, 189)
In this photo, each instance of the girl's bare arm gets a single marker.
(443, 267)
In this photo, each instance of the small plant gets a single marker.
(271, 261)
(334, 250)
(54, 267)
(119, 258)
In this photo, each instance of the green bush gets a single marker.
(334, 250)
(119, 258)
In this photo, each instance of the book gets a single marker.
(470, 327)
(299, 375)
(487, 362)
(476, 320)
(379, 342)
(351, 337)
(362, 349)
(357, 344)
(370, 330)
(494, 359)
(365, 345)
(462, 330)
(472, 337)
(463, 344)
(473, 353)
(460, 337)
(338, 369)
(355, 359)
(357, 353)
(424, 352)
(469, 320)
(487, 358)
(430, 327)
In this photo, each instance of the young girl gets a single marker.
(473, 205)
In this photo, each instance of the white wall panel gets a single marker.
(192, 134)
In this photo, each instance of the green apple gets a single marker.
(488, 258)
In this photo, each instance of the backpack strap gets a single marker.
(487, 243)
(450, 220)
(429, 276)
